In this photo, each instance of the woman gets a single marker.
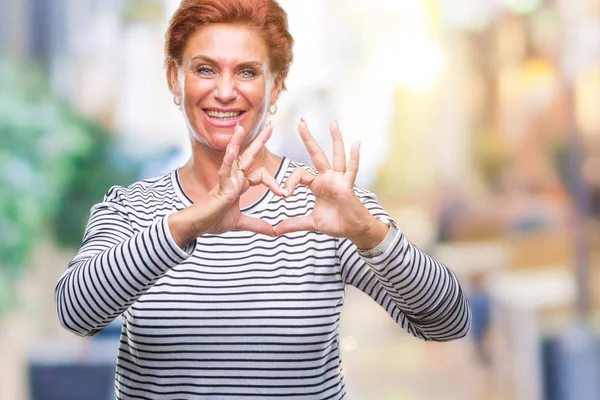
(230, 271)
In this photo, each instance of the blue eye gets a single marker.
(204, 70)
(248, 73)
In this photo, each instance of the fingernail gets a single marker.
(335, 123)
(268, 123)
(302, 121)
(285, 191)
(237, 125)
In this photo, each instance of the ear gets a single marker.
(276, 90)
(173, 77)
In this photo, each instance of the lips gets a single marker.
(223, 115)
(223, 118)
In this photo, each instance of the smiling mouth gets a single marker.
(223, 116)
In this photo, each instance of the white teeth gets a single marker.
(219, 114)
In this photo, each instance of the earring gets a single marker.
(272, 109)
(177, 101)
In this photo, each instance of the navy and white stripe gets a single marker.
(239, 315)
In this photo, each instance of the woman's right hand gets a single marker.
(219, 211)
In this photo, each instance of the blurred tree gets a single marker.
(54, 165)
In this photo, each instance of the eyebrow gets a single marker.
(215, 62)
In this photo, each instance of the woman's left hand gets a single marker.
(337, 211)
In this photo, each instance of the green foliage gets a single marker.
(54, 165)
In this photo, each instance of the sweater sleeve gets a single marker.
(421, 294)
(114, 267)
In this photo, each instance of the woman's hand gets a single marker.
(337, 211)
(219, 211)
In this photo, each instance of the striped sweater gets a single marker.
(239, 315)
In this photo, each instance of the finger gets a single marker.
(227, 165)
(317, 155)
(231, 154)
(262, 176)
(237, 139)
(306, 223)
(249, 156)
(298, 176)
(354, 160)
(246, 223)
(339, 154)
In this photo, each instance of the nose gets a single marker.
(225, 90)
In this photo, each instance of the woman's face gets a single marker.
(225, 79)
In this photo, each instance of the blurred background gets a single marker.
(480, 130)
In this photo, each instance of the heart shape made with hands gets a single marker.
(337, 211)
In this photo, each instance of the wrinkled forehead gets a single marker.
(226, 45)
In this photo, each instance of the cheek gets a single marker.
(197, 88)
(254, 92)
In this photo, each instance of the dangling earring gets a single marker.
(177, 101)
(272, 109)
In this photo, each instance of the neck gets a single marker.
(201, 173)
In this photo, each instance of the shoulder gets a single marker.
(365, 194)
(156, 187)
(292, 165)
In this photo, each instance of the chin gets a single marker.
(216, 142)
(217, 138)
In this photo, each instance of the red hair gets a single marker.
(265, 16)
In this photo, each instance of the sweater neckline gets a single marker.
(265, 198)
